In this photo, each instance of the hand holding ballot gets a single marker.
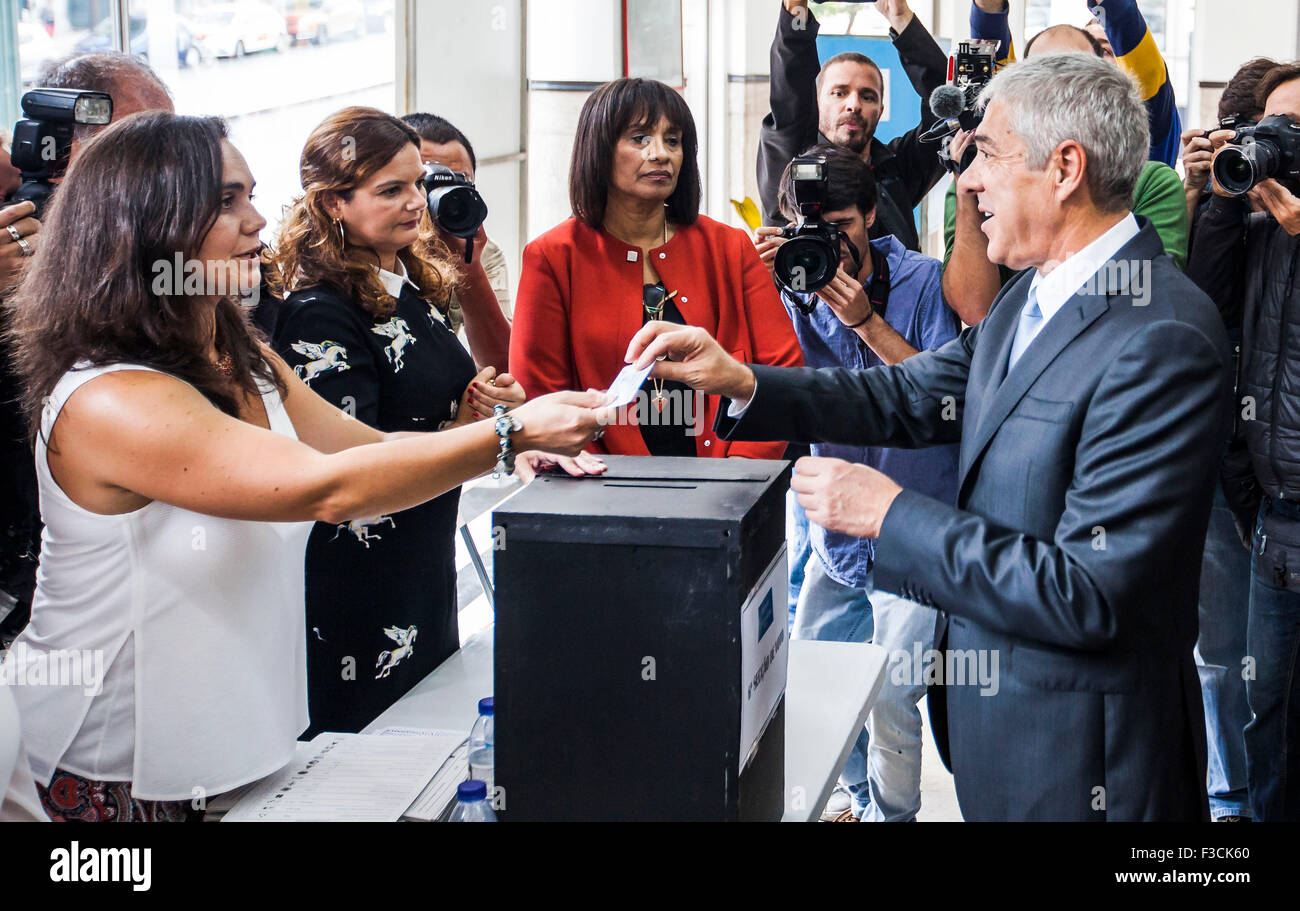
(693, 358)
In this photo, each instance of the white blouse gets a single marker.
(197, 624)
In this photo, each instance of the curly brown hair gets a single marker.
(342, 153)
(146, 189)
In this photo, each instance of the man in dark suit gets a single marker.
(1090, 406)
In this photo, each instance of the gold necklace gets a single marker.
(654, 313)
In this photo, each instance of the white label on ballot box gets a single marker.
(764, 645)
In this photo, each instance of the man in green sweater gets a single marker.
(970, 280)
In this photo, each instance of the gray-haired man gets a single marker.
(1090, 406)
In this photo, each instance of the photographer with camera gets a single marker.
(362, 323)
(1237, 105)
(866, 304)
(841, 102)
(129, 85)
(444, 146)
(1248, 260)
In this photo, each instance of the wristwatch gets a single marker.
(505, 424)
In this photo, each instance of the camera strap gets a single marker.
(878, 289)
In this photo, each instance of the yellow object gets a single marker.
(748, 213)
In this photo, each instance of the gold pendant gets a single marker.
(659, 401)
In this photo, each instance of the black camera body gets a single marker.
(1270, 148)
(810, 257)
(43, 138)
(454, 204)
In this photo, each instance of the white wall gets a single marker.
(468, 68)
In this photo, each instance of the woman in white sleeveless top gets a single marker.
(181, 464)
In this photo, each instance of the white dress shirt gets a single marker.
(1054, 288)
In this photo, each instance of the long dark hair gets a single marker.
(609, 111)
(143, 191)
(344, 151)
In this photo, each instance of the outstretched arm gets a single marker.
(791, 125)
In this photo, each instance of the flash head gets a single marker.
(68, 106)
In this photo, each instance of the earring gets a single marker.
(342, 237)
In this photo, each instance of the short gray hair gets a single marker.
(1055, 98)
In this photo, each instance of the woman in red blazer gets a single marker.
(637, 249)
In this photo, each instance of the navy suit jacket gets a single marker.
(1074, 551)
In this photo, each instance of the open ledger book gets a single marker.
(400, 772)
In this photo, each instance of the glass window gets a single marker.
(274, 69)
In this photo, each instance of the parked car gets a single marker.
(35, 49)
(319, 21)
(101, 38)
(234, 29)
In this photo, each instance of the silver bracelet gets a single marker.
(506, 424)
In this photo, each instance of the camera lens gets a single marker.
(1240, 167)
(806, 263)
(1233, 171)
(458, 210)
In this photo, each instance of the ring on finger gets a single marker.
(25, 247)
(13, 232)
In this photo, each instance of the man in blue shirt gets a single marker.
(843, 325)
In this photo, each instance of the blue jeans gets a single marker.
(1273, 736)
(883, 771)
(1220, 648)
(798, 546)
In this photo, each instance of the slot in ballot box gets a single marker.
(641, 642)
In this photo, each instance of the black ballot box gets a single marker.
(641, 642)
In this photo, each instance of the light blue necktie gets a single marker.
(1031, 320)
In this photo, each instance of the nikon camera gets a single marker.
(454, 204)
(1270, 148)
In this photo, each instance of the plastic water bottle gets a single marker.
(481, 757)
(471, 803)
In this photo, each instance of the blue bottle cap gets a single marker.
(471, 790)
(485, 706)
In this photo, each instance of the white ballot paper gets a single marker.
(347, 778)
(438, 795)
(625, 386)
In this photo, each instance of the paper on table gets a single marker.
(439, 793)
(625, 386)
(347, 778)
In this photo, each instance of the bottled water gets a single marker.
(471, 803)
(481, 758)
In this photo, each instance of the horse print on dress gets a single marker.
(405, 639)
(325, 357)
(361, 529)
(400, 333)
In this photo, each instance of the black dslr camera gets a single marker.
(43, 138)
(1270, 148)
(454, 204)
(810, 257)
